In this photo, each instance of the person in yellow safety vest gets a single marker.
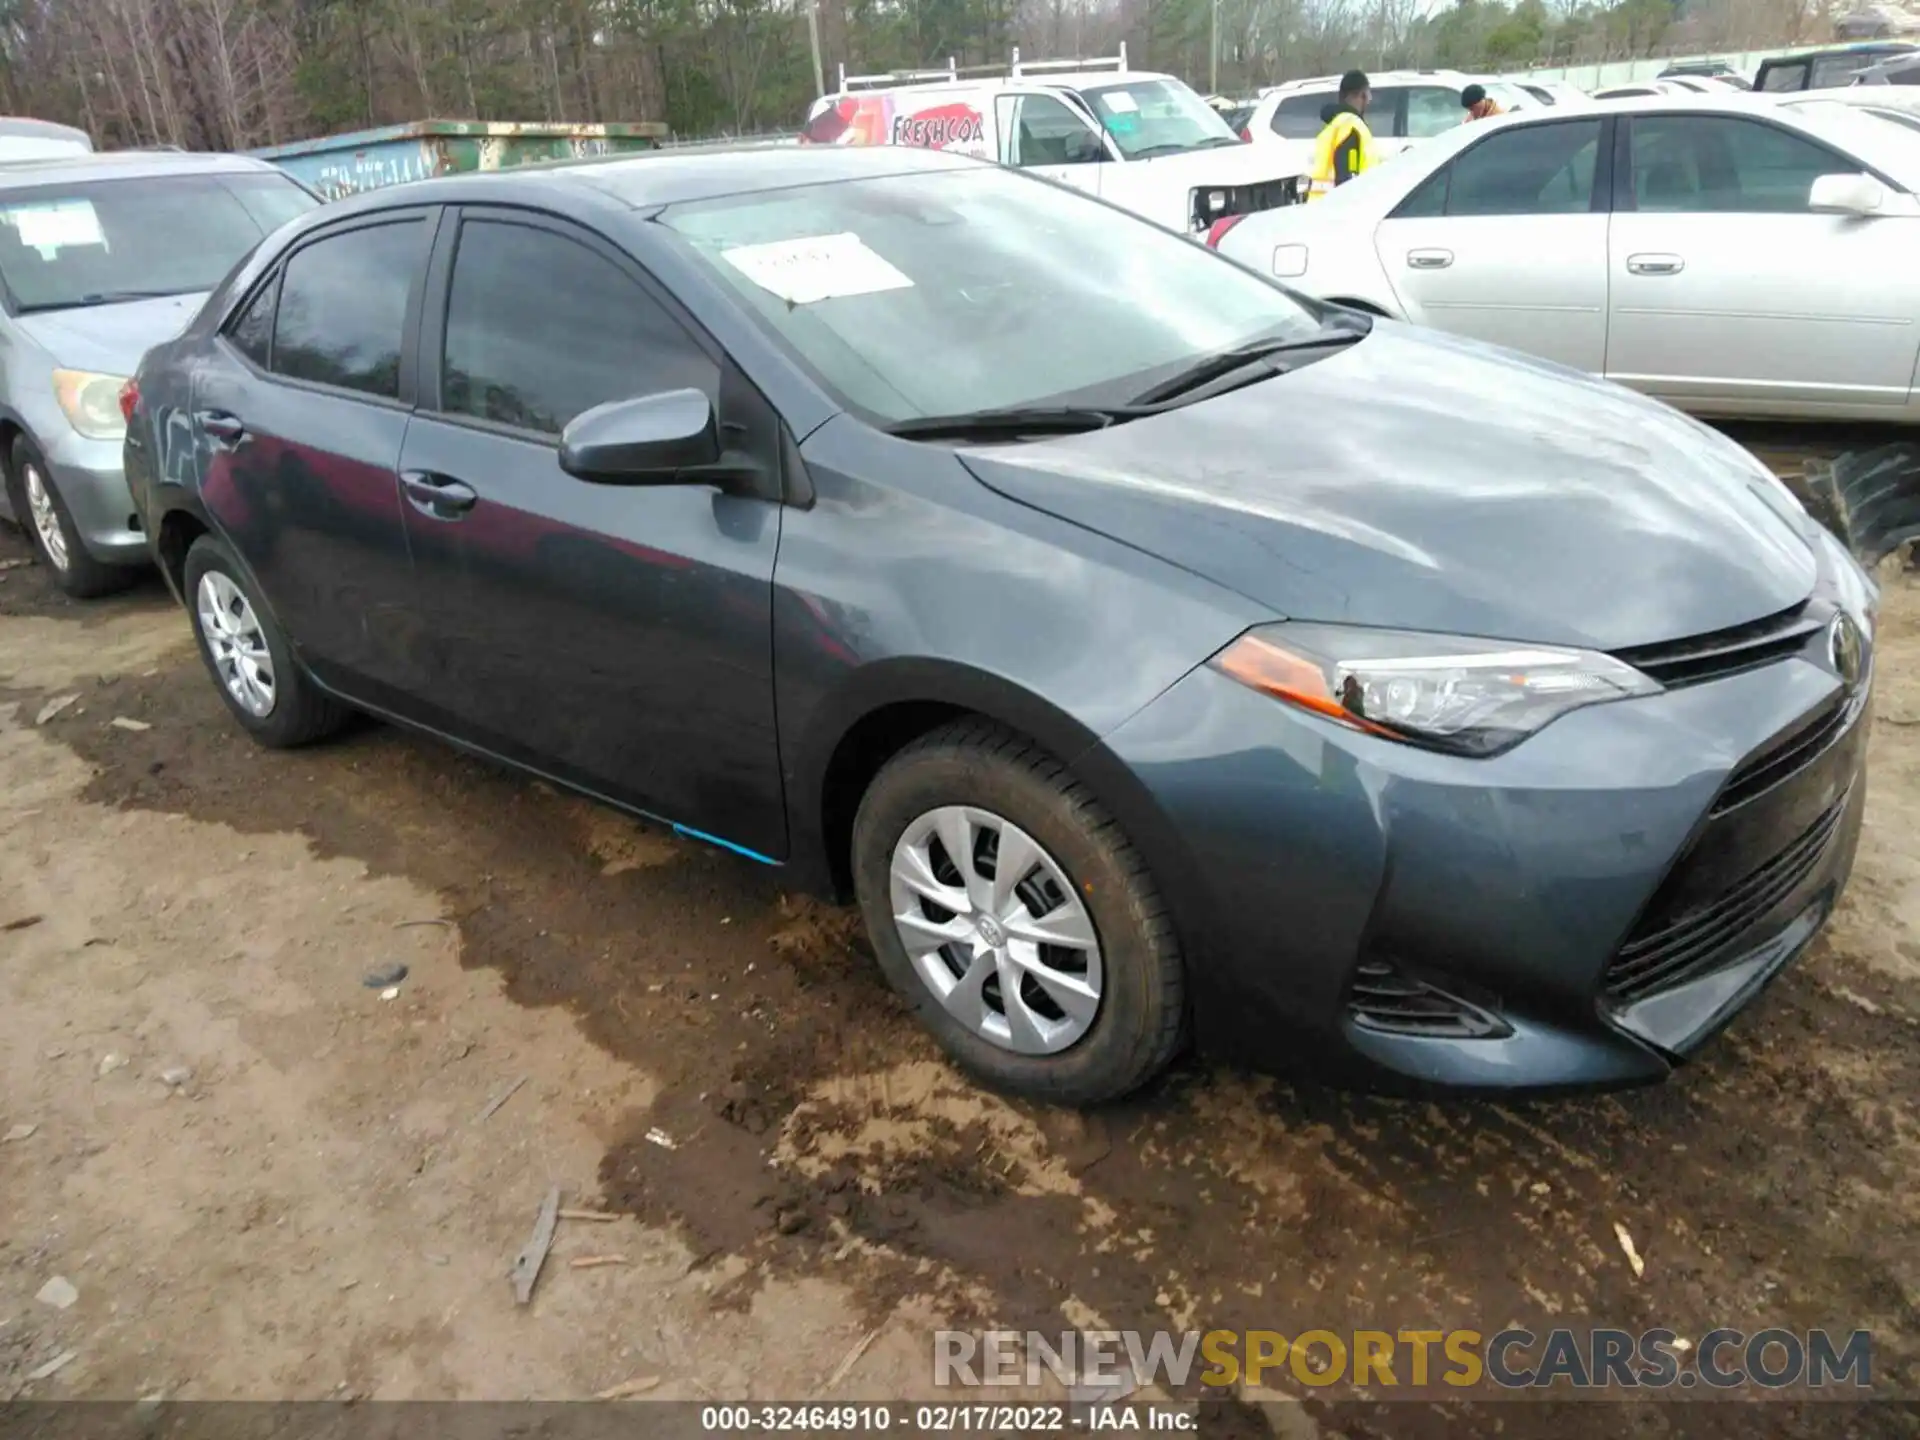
(1345, 146)
(1478, 104)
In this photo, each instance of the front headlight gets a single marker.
(92, 402)
(1444, 692)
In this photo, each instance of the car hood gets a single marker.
(110, 338)
(1420, 481)
(1241, 164)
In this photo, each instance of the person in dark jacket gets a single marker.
(1478, 104)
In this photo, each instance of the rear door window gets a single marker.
(343, 308)
(1432, 110)
(1387, 111)
(1833, 70)
(1529, 170)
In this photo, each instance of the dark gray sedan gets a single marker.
(1152, 652)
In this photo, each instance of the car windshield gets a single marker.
(96, 241)
(950, 292)
(1157, 117)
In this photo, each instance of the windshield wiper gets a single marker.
(1014, 421)
(1165, 147)
(102, 297)
(1222, 363)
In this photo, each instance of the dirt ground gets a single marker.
(266, 1176)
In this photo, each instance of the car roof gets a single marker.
(1061, 79)
(1857, 47)
(123, 165)
(1454, 78)
(662, 177)
(21, 125)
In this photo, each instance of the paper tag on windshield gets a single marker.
(48, 227)
(817, 267)
(1120, 102)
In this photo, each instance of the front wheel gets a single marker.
(38, 504)
(1017, 919)
(249, 658)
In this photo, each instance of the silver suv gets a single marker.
(101, 257)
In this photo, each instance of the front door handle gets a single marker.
(1655, 264)
(221, 426)
(1429, 259)
(437, 495)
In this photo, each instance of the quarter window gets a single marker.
(252, 332)
(1297, 117)
(534, 355)
(1785, 77)
(1530, 170)
(343, 308)
(1719, 164)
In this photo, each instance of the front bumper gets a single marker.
(91, 480)
(1589, 901)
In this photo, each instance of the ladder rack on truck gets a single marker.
(953, 73)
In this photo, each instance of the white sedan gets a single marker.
(1730, 255)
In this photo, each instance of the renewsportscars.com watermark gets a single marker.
(1119, 1361)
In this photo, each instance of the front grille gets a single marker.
(1721, 653)
(1782, 761)
(1700, 940)
(1387, 999)
(1267, 195)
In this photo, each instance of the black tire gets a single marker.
(81, 576)
(301, 714)
(1140, 1022)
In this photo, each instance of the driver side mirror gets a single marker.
(645, 441)
(1846, 195)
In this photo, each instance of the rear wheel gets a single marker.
(1017, 919)
(38, 505)
(249, 658)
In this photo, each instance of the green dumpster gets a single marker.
(337, 165)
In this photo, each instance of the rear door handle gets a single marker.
(221, 426)
(1429, 259)
(1655, 264)
(437, 495)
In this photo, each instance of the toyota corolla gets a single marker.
(1153, 653)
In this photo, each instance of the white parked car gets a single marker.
(1550, 92)
(1137, 139)
(1641, 88)
(1902, 107)
(1731, 255)
(1408, 106)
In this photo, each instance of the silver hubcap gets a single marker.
(46, 520)
(995, 930)
(234, 640)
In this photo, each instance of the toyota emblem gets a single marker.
(1846, 649)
